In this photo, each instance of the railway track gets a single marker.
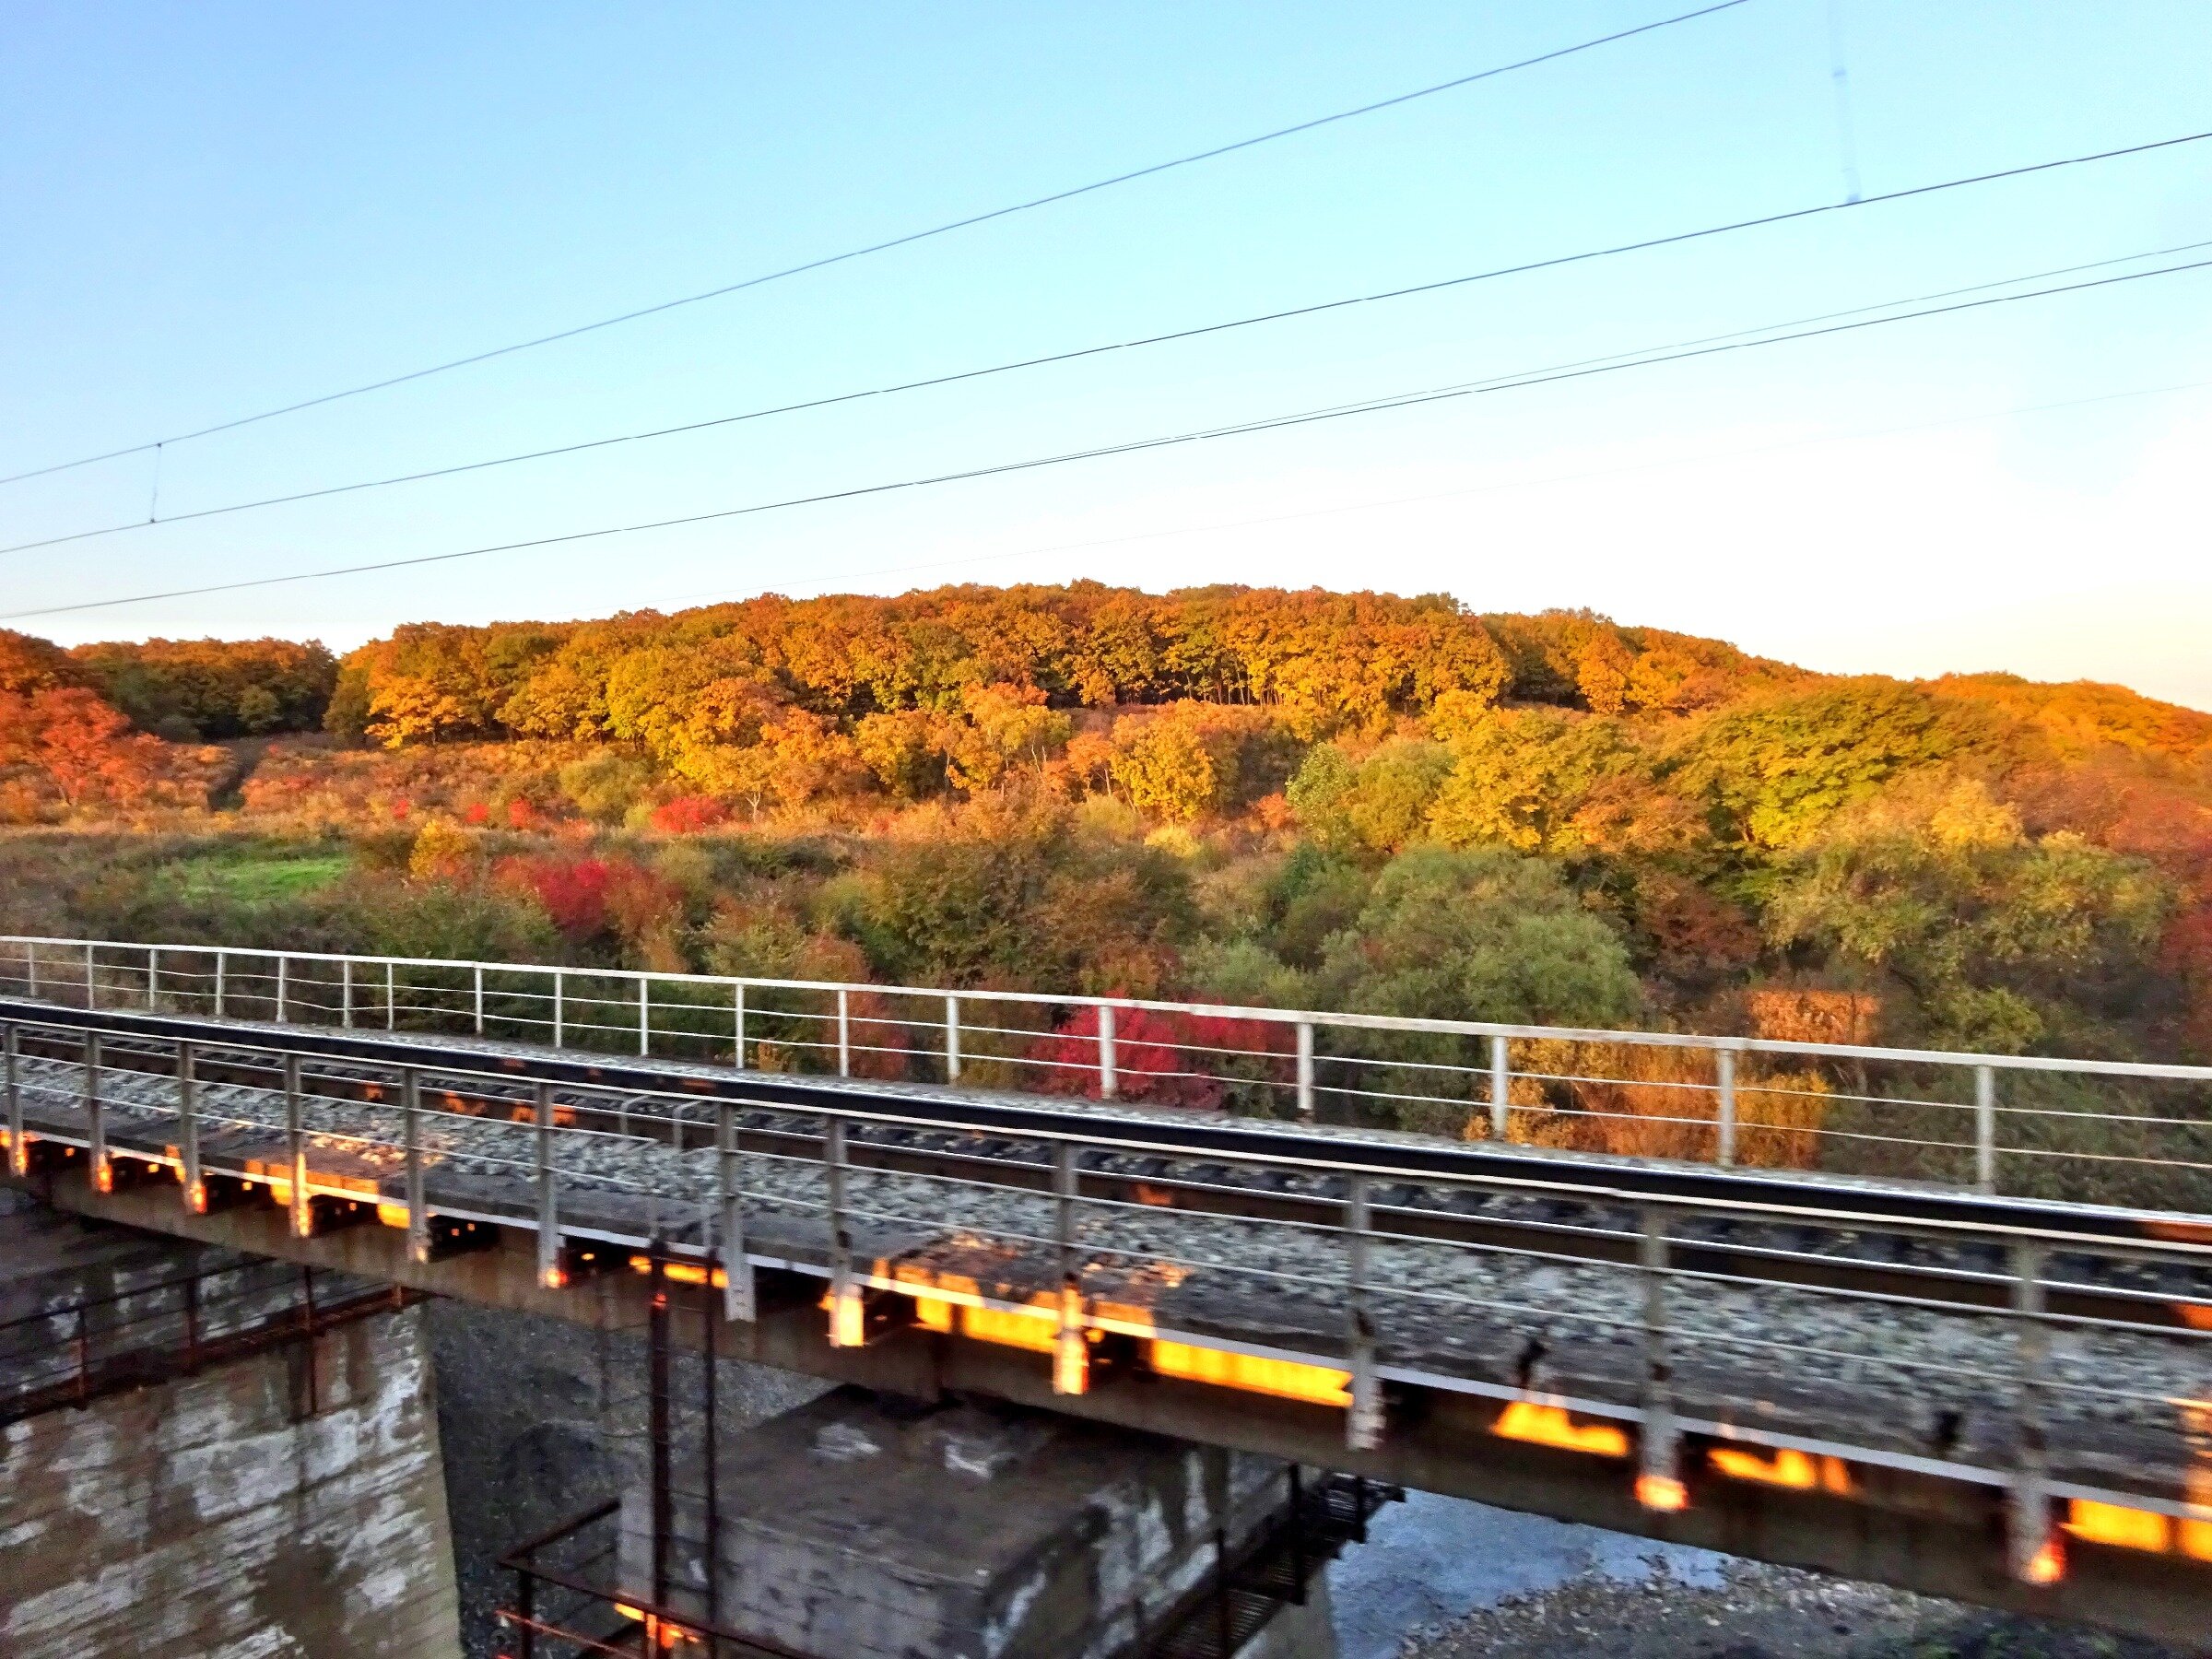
(1581, 1206)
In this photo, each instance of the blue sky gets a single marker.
(212, 208)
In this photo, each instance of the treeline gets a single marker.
(1326, 662)
(183, 690)
(780, 703)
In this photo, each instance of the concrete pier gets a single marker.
(280, 1502)
(869, 1528)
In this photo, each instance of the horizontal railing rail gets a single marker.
(2116, 1131)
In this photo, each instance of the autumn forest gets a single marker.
(1248, 795)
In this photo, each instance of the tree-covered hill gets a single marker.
(1342, 799)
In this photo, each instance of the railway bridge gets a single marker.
(1938, 1320)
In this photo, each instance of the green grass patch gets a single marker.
(256, 875)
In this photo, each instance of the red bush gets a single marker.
(574, 891)
(1161, 1058)
(687, 814)
(475, 812)
(586, 897)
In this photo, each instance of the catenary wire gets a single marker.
(1548, 481)
(1200, 330)
(880, 247)
(1133, 446)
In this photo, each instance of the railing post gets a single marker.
(1071, 1353)
(710, 1459)
(1501, 1090)
(346, 993)
(952, 1039)
(419, 1218)
(737, 1021)
(188, 1127)
(95, 1121)
(847, 1317)
(295, 1129)
(844, 1033)
(31, 969)
(1659, 1464)
(18, 1151)
(1108, 1081)
(390, 996)
(1363, 1424)
(2033, 1547)
(1725, 1064)
(644, 1015)
(548, 1212)
(222, 965)
(737, 1300)
(153, 978)
(559, 1004)
(283, 965)
(1305, 1068)
(91, 977)
(659, 1400)
(1986, 1128)
(476, 986)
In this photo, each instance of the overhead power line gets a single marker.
(907, 240)
(1787, 445)
(1197, 332)
(1133, 446)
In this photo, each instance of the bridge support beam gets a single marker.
(1934, 1535)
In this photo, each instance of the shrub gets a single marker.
(1168, 1058)
(687, 814)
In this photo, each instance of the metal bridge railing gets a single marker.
(2112, 1131)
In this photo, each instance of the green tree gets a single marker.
(1479, 935)
(1998, 940)
(1775, 770)
(1381, 804)
(1319, 794)
(1482, 933)
(1393, 792)
(1036, 911)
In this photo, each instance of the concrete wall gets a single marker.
(217, 1518)
(861, 1528)
(540, 1420)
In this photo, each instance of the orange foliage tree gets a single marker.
(85, 751)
